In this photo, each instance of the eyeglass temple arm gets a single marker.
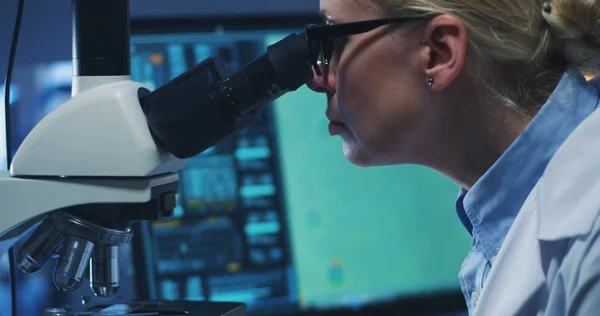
(316, 33)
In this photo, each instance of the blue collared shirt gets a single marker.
(490, 207)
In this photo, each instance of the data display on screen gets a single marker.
(275, 215)
(227, 240)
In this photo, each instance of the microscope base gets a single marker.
(172, 308)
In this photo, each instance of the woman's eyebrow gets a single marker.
(326, 17)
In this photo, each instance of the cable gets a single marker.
(11, 61)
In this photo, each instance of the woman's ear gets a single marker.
(445, 49)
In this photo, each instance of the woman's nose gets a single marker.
(325, 83)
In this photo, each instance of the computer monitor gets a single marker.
(275, 216)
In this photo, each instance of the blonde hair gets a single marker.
(519, 49)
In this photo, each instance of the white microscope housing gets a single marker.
(81, 177)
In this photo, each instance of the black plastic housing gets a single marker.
(181, 115)
(194, 111)
(101, 38)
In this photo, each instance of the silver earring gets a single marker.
(430, 82)
(546, 7)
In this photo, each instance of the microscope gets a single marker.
(110, 156)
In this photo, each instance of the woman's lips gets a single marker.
(335, 128)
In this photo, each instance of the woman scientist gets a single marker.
(490, 94)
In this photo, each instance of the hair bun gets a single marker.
(576, 25)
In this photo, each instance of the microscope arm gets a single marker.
(55, 194)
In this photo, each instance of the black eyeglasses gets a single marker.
(322, 38)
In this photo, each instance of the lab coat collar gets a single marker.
(519, 259)
(489, 209)
(570, 184)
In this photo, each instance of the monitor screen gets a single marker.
(275, 216)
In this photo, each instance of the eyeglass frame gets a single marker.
(317, 35)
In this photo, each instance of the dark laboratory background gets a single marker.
(261, 218)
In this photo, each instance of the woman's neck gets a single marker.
(479, 137)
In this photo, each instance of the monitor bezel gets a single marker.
(437, 302)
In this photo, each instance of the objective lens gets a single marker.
(104, 270)
(74, 258)
(40, 247)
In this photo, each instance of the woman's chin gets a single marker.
(355, 154)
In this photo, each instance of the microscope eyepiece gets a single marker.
(197, 109)
(285, 67)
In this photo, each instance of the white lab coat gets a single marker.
(549, 263)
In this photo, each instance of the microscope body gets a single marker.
(81, 177)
